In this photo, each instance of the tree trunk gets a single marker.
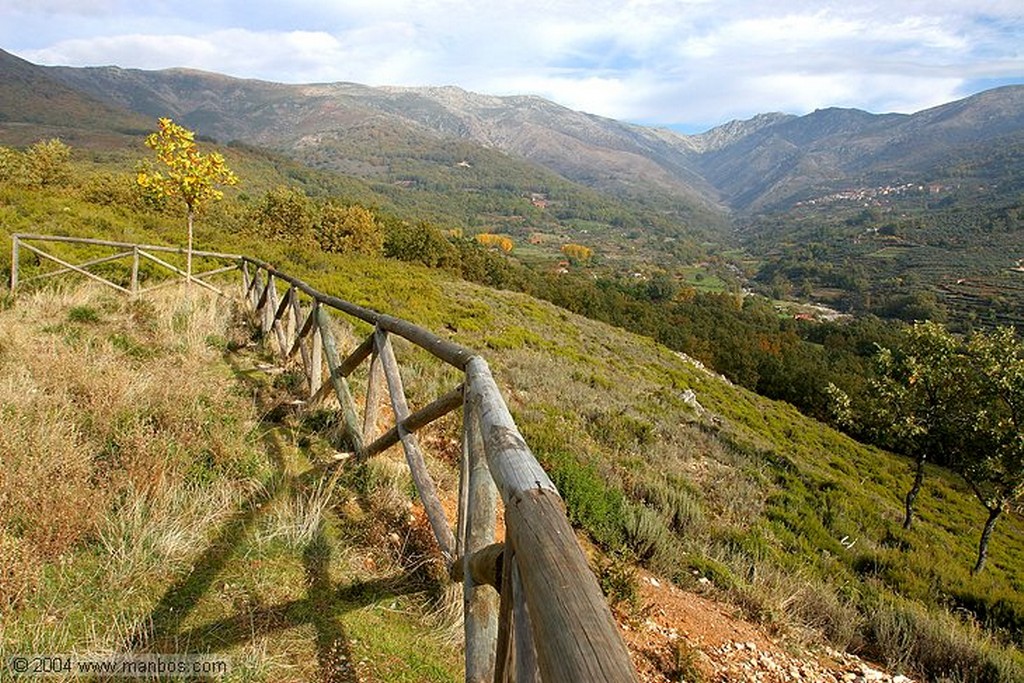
(912, 494)
(188, 255)
(986, 534)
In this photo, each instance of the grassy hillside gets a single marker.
(794, 522)
(155, 499)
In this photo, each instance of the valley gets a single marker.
(615, 275)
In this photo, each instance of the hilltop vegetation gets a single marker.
(659, 460)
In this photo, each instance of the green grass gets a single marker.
(173, 516)
(796, 523)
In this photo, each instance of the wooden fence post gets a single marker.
(413, 456)
(316, 371)
(244, 267)
(480, 602)
(374, 384)
(135, 271)
(525, 659)
(575, 636)
(267, 307)
(348, 409)
(15, 254)
(277, 309)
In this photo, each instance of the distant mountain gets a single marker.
(792, 158)
(768, 162)
(354, 121)
(31, 95)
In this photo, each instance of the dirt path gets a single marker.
(686, 637)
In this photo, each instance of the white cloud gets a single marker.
(696, 61)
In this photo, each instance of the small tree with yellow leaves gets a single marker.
(190, 175)
(502, 242)
(577, 253)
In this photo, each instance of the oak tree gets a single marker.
(961, 402)
(994, 465)
(919, 400)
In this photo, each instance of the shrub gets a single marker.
(349, 229)
(907, 637)
(617, 575)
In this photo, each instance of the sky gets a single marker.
(686, 64)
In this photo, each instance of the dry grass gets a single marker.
(116, 425)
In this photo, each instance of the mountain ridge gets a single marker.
(769, 161)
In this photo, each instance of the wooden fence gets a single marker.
(533, 608)
(131, 256)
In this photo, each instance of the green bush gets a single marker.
(590, 501)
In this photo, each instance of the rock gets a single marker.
(690, 398)
(870, 674)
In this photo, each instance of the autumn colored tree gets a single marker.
(577, 253)
(502, 242)
(190, 175)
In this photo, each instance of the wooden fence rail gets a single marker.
(533, 609)
(126, 250)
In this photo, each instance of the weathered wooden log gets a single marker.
(304, 330)
(316, 372)
(15, 257)
(267, 306)
(511, 463)
(526, 670)
(451, 353)
(483, 559)
(282, 305)
(574, 631)
(374, 388)
(252, 289)
(277, 310)
(503, 664)
(300, 336)
(358, 355)
(415, 422)
(134, 282)
(576, 636)
(291, 319)
(257, 292)
(484, 567)
(244, 268)
(413, 456)
(338, 381)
